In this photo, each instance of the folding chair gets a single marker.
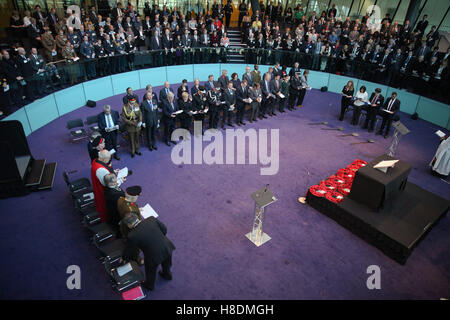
(75, 186)
(92, 120)
(129, 280)
(111, 251)
(101, 232)
(78, 134)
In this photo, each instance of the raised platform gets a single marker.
(397, 228)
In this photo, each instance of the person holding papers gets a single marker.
(99, 169)
(242, 98)
(108, 124)
(275, 89)
(149, 235)
(132, 119)
(185, 104)
(391, 106)
(347, 95)
(375, 102)
(305, 86)
(169, 116)
(360, 100)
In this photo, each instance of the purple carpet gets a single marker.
(208, 210)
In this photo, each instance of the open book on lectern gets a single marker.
(385, 165)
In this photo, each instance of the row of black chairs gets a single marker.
(102, 235)
(81, 130)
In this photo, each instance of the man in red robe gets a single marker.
(101, 167)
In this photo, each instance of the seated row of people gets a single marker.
(373, 106)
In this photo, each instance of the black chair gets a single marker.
(129, 280)
(90, 121)
(75, 186)
(111, 250)
(78, 134)
(101, 232)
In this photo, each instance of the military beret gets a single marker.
(134, 190)
(96, 142)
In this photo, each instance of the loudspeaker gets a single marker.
(415, 116)
(91, 104)
(324, 89)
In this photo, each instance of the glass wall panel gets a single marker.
(342, 7)
(435, 9)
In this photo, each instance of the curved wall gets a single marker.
(42, 111)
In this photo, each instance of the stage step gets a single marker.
(34, 177)
(48, 176)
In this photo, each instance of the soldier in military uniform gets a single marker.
(127, 205)
(132, 119)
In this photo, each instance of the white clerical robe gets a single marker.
(442, 156)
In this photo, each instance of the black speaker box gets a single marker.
(324, 89)
(91, 104)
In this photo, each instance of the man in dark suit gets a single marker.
(295, 85)
(275, 89)
(156, 44)
(267, 97)
(422, 25)
(375, 102)
(149, 235)
(223, 80)
(230, 102)
(169, 118)
(129, 95)
(164, 92)
(149, 108)
(390, 108)
(108, 124)
(241, 94)
(112, 193)
(209, 85)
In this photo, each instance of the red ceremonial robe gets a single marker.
(99, 190)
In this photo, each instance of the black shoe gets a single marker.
(239, 124)
(138, 153)
(154, 148)
(260, 117)
(132, 155)
(167, 276)
(167, 142)
(147, 286)
(115, 156)
(174, 142)
(282, 111)
(243, 123)
(255, 120)
(378, 133)
(251, 121)
(150, 148)
(264, 117)
(341, 119)
(365, 127)
(223, 127)
(231, 125)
